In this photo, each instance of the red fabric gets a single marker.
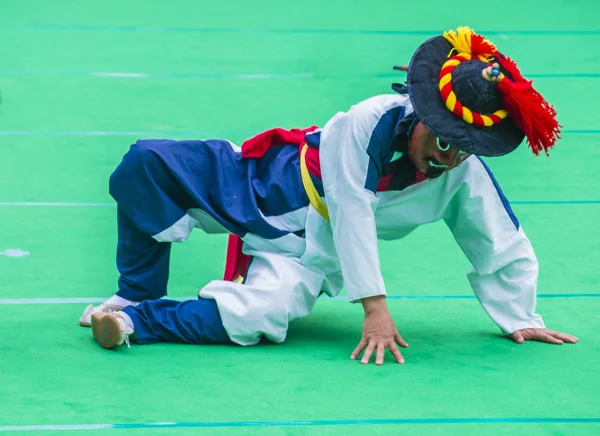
(481, 47)
(446, 90)
(446, 70)
(458, 109)
(495, 118)
(313, 162)
(420, 177)
(477, 120)
(236, 262)
(384, 183)
(256, 147)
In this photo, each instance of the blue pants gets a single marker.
(187, 322)
(158, 181)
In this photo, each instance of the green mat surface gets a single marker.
(80, 81)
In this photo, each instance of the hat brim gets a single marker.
(423, 88)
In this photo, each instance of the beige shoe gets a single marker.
(86, 318)
(111, 329)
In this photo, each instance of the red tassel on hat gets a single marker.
(530, 111)
(481, 47)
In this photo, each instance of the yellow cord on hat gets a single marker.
(468, 46)
(461, 41)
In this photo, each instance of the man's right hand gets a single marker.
(379, 332)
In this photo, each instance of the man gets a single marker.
(305, 208)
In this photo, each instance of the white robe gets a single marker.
(287, 274)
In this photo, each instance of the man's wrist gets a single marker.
(373, 304)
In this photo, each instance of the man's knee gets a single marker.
(141, 158)
(141, 154)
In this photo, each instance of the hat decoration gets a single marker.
(529, 110)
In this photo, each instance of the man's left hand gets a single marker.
(542, 335)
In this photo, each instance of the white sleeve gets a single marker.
(505, 269)
(347, 170)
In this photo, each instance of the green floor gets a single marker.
(80, 81)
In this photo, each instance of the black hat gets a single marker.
(474, 97)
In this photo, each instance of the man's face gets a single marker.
(430, 155)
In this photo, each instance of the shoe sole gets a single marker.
(108, 307)
(106, 330)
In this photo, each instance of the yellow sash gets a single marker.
(313, 196)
